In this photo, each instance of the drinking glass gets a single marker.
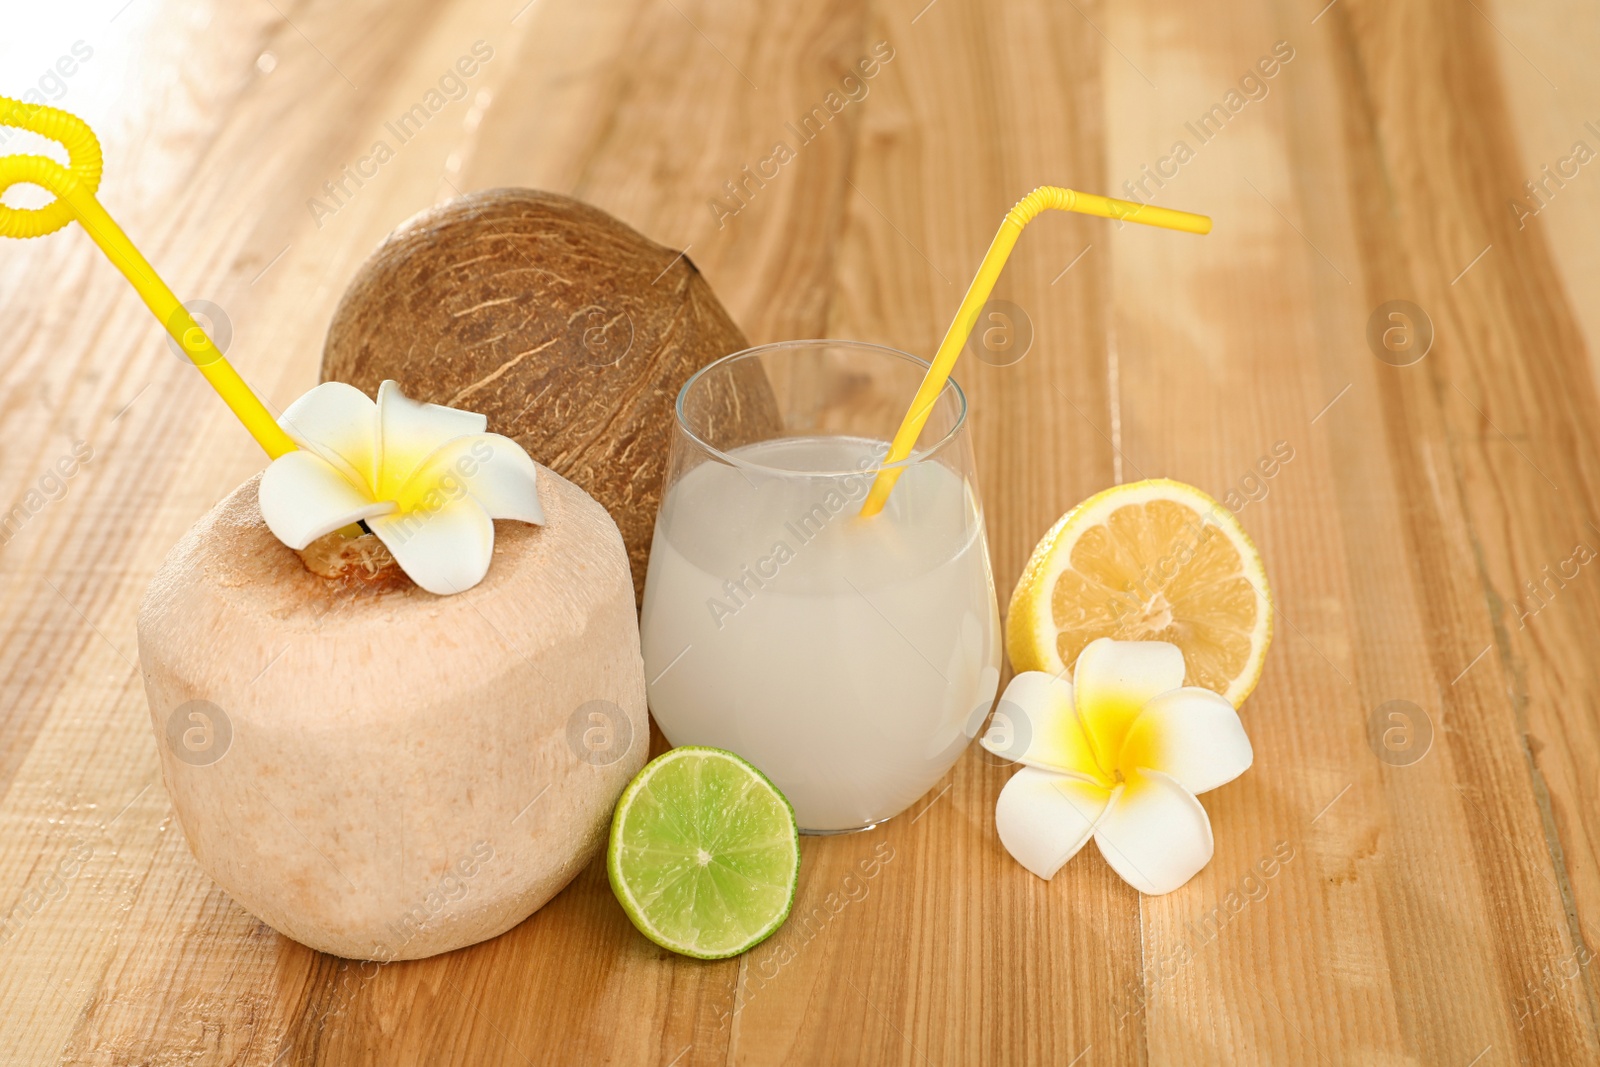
(850, 659)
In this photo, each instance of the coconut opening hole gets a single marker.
(363, 561)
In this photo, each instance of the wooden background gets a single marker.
(1436, 910)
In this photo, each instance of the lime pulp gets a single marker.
(704, 854)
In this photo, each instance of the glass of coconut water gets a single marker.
(851, 659)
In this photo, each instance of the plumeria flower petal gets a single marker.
(1112, 682)
(493, 469)
(1036, 724)
(1044, 818)
(427, 479)
(1154, 834)
(409, 432)
(303, 497)
(1192, 734)
(339, 423)
(1119, 754)
(444, 551)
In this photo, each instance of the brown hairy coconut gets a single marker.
(569, 329)
(382, 773)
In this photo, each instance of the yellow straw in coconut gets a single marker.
(74, 186)
(1046, 197)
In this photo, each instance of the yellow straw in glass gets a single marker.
(75, 186)
(1046, 197)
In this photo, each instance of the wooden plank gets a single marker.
(1442, 855)
(961, 930)
(1546, 618)
(1514, 360)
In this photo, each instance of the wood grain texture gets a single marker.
(1421, 542)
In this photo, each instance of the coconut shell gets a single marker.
(569, 329)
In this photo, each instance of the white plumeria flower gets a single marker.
(1118, 755)
(425, 478)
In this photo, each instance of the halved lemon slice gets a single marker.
(1156, 560)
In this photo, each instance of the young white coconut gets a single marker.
(373, 769)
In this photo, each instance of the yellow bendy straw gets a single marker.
(1043, 198)
(74, 186)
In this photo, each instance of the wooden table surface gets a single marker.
(1430, 541)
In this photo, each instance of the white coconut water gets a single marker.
(850, 659)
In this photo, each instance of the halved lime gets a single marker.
(704, 854)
